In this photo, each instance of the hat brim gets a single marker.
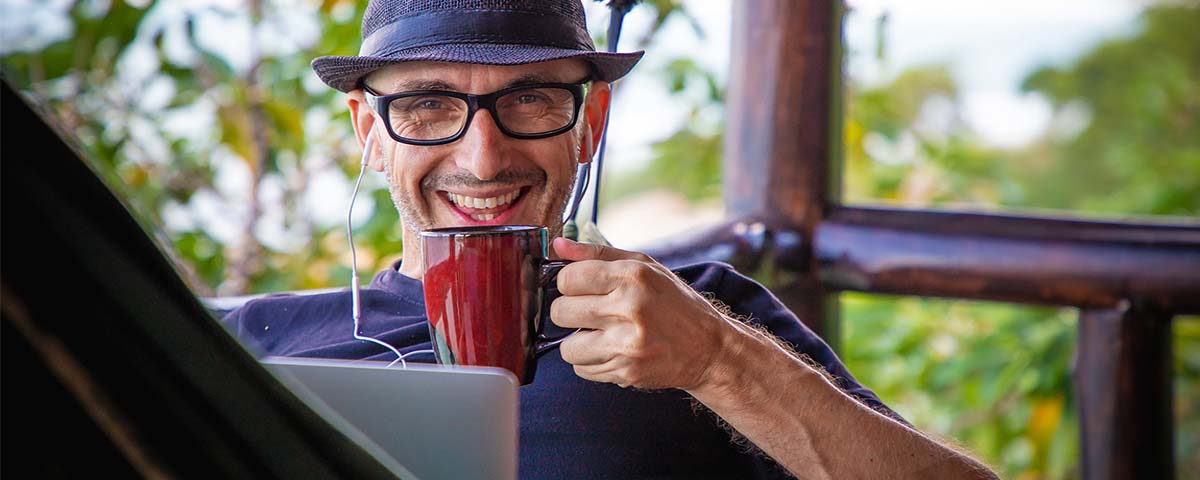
(346, 73)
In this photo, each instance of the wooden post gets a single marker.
(782, 96)
(1123, 385)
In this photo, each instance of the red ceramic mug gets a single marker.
(484, 288)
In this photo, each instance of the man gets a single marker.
(455, 154)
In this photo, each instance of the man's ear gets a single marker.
(362, 119)
(595, 113)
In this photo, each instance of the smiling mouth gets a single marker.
(484, 209)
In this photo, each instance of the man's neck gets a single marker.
(410, 256)
(410, 264)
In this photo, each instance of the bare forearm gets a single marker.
(797, 416)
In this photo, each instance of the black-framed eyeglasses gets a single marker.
(436, 117)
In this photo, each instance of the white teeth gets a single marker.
(484, 217)
(482, 203)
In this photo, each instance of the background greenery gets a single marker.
(994, 377)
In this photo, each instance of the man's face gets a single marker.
(485, 177)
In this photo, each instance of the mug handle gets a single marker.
(549, 275)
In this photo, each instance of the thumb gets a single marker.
(571, 250)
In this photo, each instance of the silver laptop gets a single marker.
(435, 422)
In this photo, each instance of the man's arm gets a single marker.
(650, 330)
(795, 414)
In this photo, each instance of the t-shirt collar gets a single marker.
(392, 280)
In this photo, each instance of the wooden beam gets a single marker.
(1011, 258)
(1123, 387)
(1035, 260)
(1020, 226)
(741, 243)
(779, 128)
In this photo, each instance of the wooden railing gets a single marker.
(781, 176)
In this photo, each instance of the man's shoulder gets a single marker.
(292, 324)
(707, 273)
(291, 301)
(301, 306)
(745, 298)
(723, 281)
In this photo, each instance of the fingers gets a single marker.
(598, 277)
(584, 348)
(604, 373)
(572, 250)
(598, 373)
(586, 311)
(600, 270)
(588, 277)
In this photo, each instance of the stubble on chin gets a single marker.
(414, 220)
(411, 219)
(556, 203)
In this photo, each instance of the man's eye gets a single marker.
(529, 98)
(430, 104)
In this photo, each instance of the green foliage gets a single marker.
(991, 376)
(1139, 100)
(1142, 95)
(689, 160)
(1186, 346)
(259, 115)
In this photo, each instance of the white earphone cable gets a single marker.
(354, 293)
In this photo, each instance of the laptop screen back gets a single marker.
(438, 422)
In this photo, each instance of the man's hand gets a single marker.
(644, 326)
(649, 329)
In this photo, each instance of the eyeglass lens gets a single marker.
(529, 111)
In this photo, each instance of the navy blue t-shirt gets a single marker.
(570, 427)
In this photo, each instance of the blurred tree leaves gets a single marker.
(174, 160)
(994, 377)
(689, 160)
(1124, 138)
(1141, 96)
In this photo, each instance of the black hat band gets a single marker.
(474, 26)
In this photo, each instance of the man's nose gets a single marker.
(484, 147)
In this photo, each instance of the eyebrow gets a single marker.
(422, 84)
(527, 79)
